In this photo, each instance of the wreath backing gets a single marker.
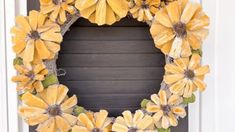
(178, 28)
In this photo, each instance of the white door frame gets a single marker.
(201, 113)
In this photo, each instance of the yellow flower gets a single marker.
(132, 123)
(179, 27)
(184, 76)
(102, 11)
(34, 38)
(30, 77)
(166, 2)
(93, 122)
(50, 110)
(166, 109)
(144, 10)
(57, 9)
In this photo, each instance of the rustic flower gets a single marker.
(139, 122)
(34, 38)
(166, 109)
(93, 122)
(50, 110)
(184, 76)
(102, 11)
(30, 77)
(179, 27)
(144, 10)
(57, 9)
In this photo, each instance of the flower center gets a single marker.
(30, 75)
(57, 2)
(144, 4)
(132, 129)
(166, 109)
(180, 29)
(96, 130)
(189, 74)
(54, 110)
(34, 35)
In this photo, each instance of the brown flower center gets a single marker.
(144, 4)
(189, 74)
(34, 35)
(132, 129)
(180, 29)
(57, 2)
(167, 1)
(54, 110)
(96, 130)
(166, 109)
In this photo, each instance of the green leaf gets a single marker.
(18, 61)
(144, 103)
(163, 130)
(78, 110)
(50, 80)
(198, 51)
(189, 100)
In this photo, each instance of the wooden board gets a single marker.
(111, 67)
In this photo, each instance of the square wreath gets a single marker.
(178, 28)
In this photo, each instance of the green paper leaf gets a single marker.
(18, 61)
(50, 80)
(78, 110)
(163, 130)
(144, 103)
(189, 100)
(198, 51)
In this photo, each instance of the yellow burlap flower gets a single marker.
(35, 39)
(184, 76)
(166, 109)
(50, 110)
(144, 10)
(179, 27)
(57, 9)
(102, 11)
(30, 77)
(139, 122)
(93, 122)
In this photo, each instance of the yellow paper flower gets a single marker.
(50, 110)
(144, 10)
(35, 39)
(93, 122)
(139, 122)
(57, 9)
(102, 11)
(179, 27)
(184, 76)
(166, 109)
(30, 77)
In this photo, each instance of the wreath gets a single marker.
(178, 28)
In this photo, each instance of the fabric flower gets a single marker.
(35, 39)
(139, 122)
(49, 110)
(57, 9)
(179, 27)
(166, 109)
(30, 77)
(184, 76)
(93, 122)
(102, 11)
(144, 10)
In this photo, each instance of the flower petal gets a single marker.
(144, 123)
(153, 108)
(172, 68)
(62, 124)
(32, 100)
(163, 97)
(86, 13)
(172, 119)
(119, 127)
(86, 121)
(84, 4)
(174, 99)
(200, 22)
(202, 70)
(163, 18)
(189, 11)
(110, 16)
(43, 52)
(100, 118)
(28, 55)
(47, 126)
(69, 103)
(128, 118)
(163, 37)
(38, 86)
(100, 14)
(173, 12)
(186, 49)
(33, 19)
(177, 87)
(188, 90)
(194, 62)
(179, 111)
(70, 118)
(155, 99)
(200, 84)
(165, 122)
(50, 94)
(79, 129)
(37, 119)
(182, 63)
(62, 92)
(27, 111)
(138, 116)
(23, 23)
(172, 78)
(120, 7)
(194, 42)
(157, 116)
